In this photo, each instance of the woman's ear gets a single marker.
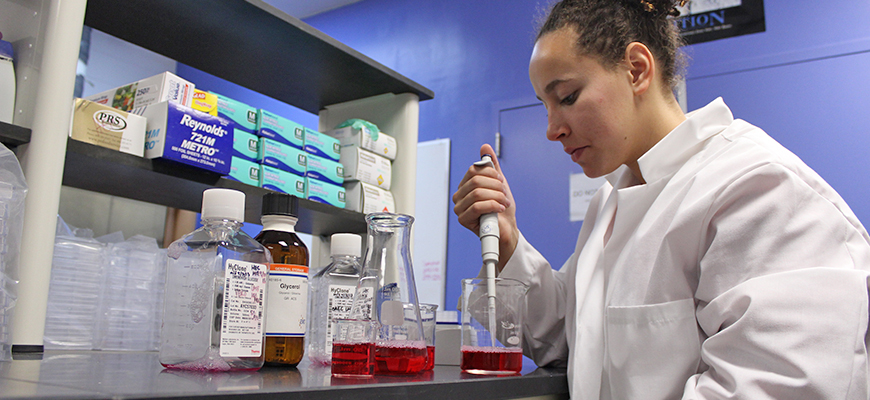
(641, 66)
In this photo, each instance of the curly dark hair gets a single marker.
(607, 27)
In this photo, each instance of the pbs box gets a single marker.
(163, 87)
(107, 127)
(385, 145)
(365, 198)
(363, 165)
(182, 134)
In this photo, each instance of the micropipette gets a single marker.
(489, 236)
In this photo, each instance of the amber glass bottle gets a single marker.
(287, 294)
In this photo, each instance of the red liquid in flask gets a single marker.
(400, 358)
(353, 359)
(431, 363)
(491, 360)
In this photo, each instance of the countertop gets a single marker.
(138, 375)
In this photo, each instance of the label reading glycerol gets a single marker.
(288, 300)
(242, 318)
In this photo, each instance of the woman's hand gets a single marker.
(484, 190)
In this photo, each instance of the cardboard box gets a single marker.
(323, 192)
(365, 198)
(363, 165)
(280, 129)
(282, 181)
(245, 171)
(204, 101)
(246, 145)
(243, 115)
(107, 127)
(324, 170)
(282, 156)
(182, 134)
(163, 87)
(322, 145)
(349, 136)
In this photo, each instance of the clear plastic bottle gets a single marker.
(287, 302)
(215, 289)
(332, 294)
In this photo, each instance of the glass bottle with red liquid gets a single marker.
(389, 274)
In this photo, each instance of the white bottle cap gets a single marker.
(346, 244)
(223, 204)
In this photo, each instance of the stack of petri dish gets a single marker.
(74, 293)
(6, 297)
(132, 295)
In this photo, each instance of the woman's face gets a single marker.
(590, 109)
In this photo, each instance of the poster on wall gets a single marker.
(707, 20)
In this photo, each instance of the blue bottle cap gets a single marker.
(6, 50)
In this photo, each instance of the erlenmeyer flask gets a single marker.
(389, 274)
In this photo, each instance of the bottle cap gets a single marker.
(223, 204)
(346, 244)
(275, 203)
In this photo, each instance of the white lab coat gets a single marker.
(734, 272)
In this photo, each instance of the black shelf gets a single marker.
(171, 184)
(13, 135)
(254, 45)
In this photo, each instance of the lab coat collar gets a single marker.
(670, 153)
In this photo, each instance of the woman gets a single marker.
(712, 264)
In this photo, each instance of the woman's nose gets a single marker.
(555, 128)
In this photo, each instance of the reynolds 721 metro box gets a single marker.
(182, 134)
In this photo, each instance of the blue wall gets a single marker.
(802, 81)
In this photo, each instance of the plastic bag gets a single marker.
(362, 125)
(13, 189)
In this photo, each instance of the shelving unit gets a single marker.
(180, 185)
(255, 45)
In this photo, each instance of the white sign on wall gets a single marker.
(582, 190)
(430, 224)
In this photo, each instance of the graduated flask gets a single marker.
(215, 290)
(389, 274)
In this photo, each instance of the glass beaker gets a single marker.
(389, 274)
(427, 317)
(499, 352)
(353, 348)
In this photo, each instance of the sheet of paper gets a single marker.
(582, 190)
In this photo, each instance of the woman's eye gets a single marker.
(570, 99)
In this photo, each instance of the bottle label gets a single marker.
(339, 304)
(287, 302)
(242, 318)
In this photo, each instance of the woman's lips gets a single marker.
(576, 153)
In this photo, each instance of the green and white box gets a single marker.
(243, 115)
(282, 181)
(365, 198)
(323, 192)
(280, 129)
(322, 145)
(324, 169)
(365, 166)
(245, 171)
(246, 145)
(385, 145)
(282, 156)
